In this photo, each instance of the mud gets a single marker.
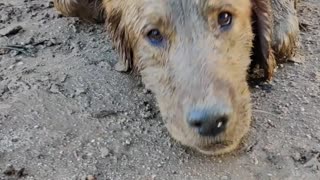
(66, 114)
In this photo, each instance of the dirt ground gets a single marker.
(66, 114)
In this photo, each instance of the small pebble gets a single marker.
(296, 156)
(224, 178)
(54, 88)
(104, 152)
(90, 177)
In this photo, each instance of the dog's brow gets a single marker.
(218, 7)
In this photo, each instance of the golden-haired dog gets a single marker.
(194, 55)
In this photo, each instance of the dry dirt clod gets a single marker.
(313, 163)
(21, 173)
(9, 171)
(10, 31)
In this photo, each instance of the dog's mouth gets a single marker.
(214, 148)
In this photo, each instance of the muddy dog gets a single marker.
(195, 55)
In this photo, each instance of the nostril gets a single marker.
(221, 121)
(196, 124)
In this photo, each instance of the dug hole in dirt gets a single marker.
(66, 114)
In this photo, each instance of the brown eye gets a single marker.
(224, 19)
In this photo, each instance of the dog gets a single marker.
(195, 55)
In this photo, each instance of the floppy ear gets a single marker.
(87, 10)
(262, 27)
(121, 40)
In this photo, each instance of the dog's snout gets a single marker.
(208, 122)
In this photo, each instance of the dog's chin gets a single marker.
(216, 148)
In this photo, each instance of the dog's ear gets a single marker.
(87, 10)
(262, 28)
(121, 40)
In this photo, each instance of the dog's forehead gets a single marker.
(192, 5)
(186, 9)
(186, 16)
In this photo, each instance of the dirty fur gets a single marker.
(88, 10)
(199, 63)
(285, 36)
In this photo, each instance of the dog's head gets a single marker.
(194, 56)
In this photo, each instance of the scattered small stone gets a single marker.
(224, 178)
(91, 177)
(34, 14)
(127, 142)
(36, 127)
(54, 89)
(4, 89)
(19, 63)
(104, 152)
(105, 65)
(292, 84)
(80, 91)
(50, 4)
(270, 123)
(121, 66)
(146, 115)
(4, 51)
(146, 91)
(51, 42)
(74, 28)
(63, 78)
(296, 156)
(313, 163)
(309, 136)
(315, 76)
(14, 53)
(4, 18)
(29, 40)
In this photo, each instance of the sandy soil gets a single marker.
(66, 114)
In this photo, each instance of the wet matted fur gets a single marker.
(195, 54)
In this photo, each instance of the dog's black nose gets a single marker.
(208, 122)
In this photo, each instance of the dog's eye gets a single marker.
(155, 37)
(224, 19)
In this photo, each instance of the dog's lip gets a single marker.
(213, 147)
